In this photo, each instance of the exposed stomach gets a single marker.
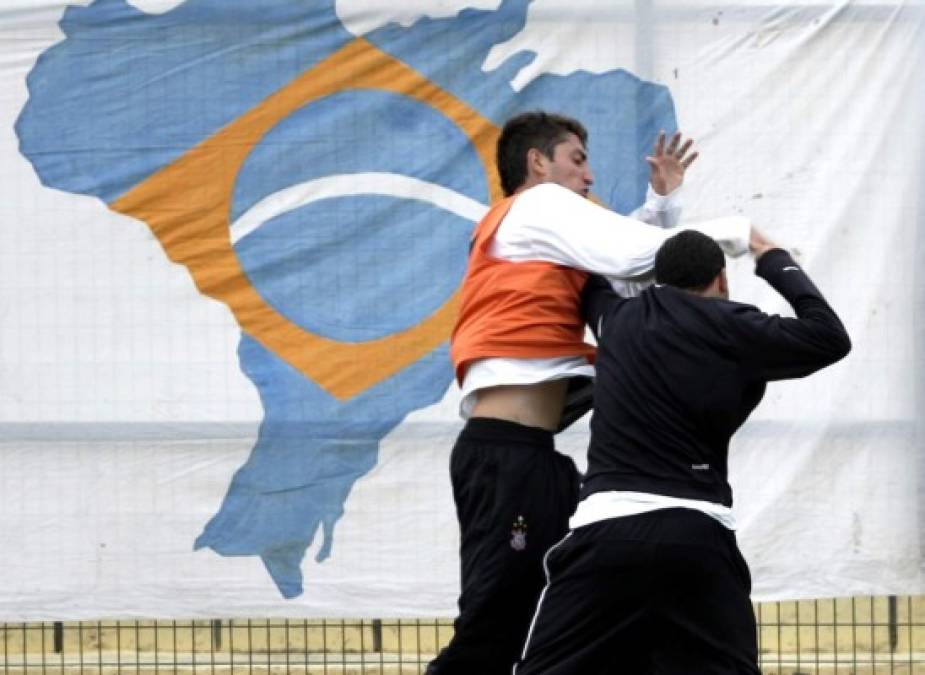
(533, 405)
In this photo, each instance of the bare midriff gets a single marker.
(533, 405)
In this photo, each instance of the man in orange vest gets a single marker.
(518, 343)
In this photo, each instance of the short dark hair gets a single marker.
(540, 130)
(688, 260)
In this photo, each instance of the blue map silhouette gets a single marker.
(126, 93)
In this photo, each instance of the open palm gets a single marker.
(669, 163)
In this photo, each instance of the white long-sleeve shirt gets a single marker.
(551, 223)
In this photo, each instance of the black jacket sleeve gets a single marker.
(597, 301)
(780, 348)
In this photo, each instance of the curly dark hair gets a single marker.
(688, 260)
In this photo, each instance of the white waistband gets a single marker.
(616, 504)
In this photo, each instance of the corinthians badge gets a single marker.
(519, 534)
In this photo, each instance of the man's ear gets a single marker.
(722, 284)
(537, 164)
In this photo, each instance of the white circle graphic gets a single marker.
(355, 184)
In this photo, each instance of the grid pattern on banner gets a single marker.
(856, 636)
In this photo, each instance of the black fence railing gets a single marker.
(856, 636)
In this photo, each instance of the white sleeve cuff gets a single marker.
(732, 233)
(657, 203)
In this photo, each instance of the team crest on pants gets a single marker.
(519, 534)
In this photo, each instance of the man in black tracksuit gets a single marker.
(650, 579)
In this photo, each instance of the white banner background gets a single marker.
(125, 413)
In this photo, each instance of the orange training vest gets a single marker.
(512, 309)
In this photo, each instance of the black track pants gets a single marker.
(661, 593)
(514, 494)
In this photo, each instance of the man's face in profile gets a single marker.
(569, 166)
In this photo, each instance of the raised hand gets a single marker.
(759, 244)
(669, 163)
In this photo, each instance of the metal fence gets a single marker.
(856, 636)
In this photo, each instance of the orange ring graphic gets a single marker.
(187, 205)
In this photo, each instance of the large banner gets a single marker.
(233, 233)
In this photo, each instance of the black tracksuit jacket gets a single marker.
(678, 373)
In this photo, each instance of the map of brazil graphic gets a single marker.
(323, 186)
